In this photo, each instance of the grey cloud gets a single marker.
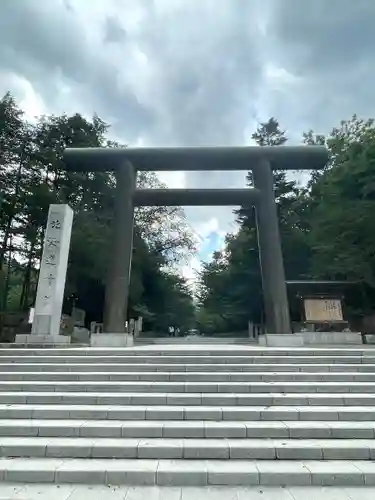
(208, 67)
(204, 70)
(68, 5)
(209, 73)
(44, 43)
(329, 46)
(113, 31)
(321, 36)
(194, 72)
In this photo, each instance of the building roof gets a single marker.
(319, 288)
(320, 283)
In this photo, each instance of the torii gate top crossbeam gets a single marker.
(197, 158)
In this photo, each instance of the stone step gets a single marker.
(203, 359)
(209, 413)
(187, 376)
(187, 399)
(188, 472)
(188, 449)
(150, 429)
(187, 367)
(190, 351)
(188, 387)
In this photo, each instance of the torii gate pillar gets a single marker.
(118, 281)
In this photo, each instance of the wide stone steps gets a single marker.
(188, 350)
(188, 368)
(206, 415)
(188, 472)
(187, 399)
(195, 360)
(188, 387)
(189, 449)
(115, 429)
(65, 376)
(191, 413)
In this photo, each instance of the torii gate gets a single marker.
(125, 162)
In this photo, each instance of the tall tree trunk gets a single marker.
(12, 211)
(27, 276)
(7, 277)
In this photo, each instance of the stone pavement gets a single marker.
(96, 492)
(188, 416)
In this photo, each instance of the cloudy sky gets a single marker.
(192, 72)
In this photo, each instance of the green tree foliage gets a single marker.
(32, 176)
(326, 227)
(343, 203)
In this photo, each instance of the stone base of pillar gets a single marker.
(281, 340)
(332, 338)
(40, 339)
(111, 340)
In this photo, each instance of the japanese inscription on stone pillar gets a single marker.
(52, 273)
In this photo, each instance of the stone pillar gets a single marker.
(117, 289)
(270, 253)
(52, 275)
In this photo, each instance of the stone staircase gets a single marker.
(188, 416)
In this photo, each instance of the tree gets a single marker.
(15, 148)
(33, 176)
(342, 205)
(326, 227)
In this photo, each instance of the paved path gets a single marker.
(82, 492)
